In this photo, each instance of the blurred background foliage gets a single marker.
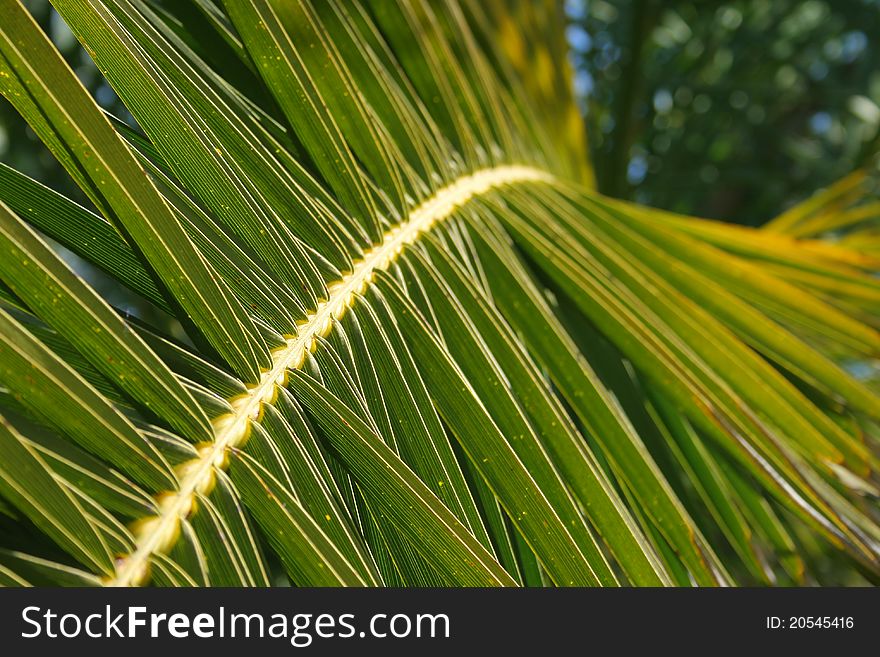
(731, 110)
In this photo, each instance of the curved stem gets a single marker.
(159, 533)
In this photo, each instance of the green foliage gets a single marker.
(732, 110)
(392, 338)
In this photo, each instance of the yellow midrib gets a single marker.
(159, 533)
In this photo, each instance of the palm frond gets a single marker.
(389, 335)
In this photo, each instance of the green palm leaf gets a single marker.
(393, 337)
